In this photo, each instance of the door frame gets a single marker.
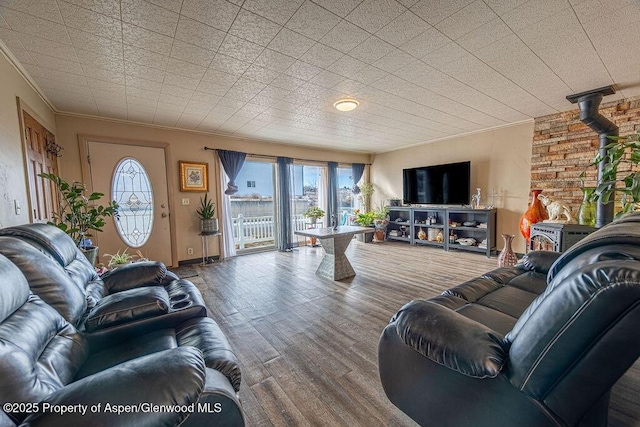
(83, 145)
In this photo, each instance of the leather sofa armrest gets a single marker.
(170, 377)
(136, 275)
(539, 261)
(451, 339)
(127, 306)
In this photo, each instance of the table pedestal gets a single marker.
(335, 265)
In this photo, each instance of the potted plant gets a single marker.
(314, 213)
(366, 191)
(621, 150)
(206, 212)
(364, 219)
(78, 215)
(119, 259)
(380, 221)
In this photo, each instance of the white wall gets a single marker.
(13, 181)
(500, 161)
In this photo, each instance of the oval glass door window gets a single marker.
(131, 189)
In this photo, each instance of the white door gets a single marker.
(135, 177)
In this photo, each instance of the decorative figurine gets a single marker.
(422, 235)
(475, 199)
(555, 210)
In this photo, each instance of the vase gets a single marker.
(507, 257)
(422, 235)
(587, 211)
(534, 214)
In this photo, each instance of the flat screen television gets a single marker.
(437, 185)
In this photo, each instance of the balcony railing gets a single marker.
(260, 230)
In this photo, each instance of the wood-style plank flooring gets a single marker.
(308, 346)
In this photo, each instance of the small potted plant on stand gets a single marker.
(119, 259)
(314, 213)
(206, 212)
(78, 214)
(380, 221)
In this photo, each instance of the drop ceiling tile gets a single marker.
(503, 6)
(173, 5)
(144, 72)
(91, 22)
(206, 98)
(3, 23)
(613, 16)
(369, 75)
(394, 61)
(50, 62)
(312, 21)
(166, 119)
(240, 49)
(187, 69)
(175, 95)
(321, 55)
(254, 28)
(220, 78)
(23, 56)
(350, 88)
(48, 47)
(144, 84)
(102, 74)
(189, 121)
(98, 60)
(145, 57)
(346, 66)
(28, 24)
(199, 34)
(302, 70)
(273, 60)
(485, 35)
(136, 103)
(291, 43)
(327, 79)
(34, 70)
(80, 86)
(435, 11)
(260, 74)
(466, 20)
(228, 64)
(278, 11)
(243, 92)
(106, 7)
(37, 8)
(212, 88)
(408, 3)
(403, 29)
(138, 92)
(191, 53)
(216, 13)
(149, 16)
(62, 76)
(273, 92)
(231, 103)
(145, 39)
(287, 82)
(425, 43)
(344, 36)
(371, 50)
(181, 81)
(531, 12)
(451, 52)
(195, 105)
(92, 43)
(168, 109)
(373, 15)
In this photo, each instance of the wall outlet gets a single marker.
(186, 201)
(189, 251)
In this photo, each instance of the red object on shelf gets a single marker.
(534, 214)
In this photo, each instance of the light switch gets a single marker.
(16, 205)
(186, 201)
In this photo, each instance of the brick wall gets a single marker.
(563, 147)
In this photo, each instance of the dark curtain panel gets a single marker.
(332, 193)
(232, 162)
(357, 169)
(285, 229)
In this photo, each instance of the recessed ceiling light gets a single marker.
(346, 104)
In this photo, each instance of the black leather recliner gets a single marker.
(508, 349)
(147, 381)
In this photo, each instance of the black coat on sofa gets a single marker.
(539, 344)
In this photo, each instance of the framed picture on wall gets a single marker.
(194, 176)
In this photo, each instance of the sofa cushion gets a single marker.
(14, 289)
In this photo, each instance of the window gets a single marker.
(251, 184)
(131, 189)
(346, 198)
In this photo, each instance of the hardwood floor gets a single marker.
(308, 346)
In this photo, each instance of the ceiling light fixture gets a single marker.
(346, 104)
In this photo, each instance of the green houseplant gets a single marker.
(366, 191)
(119, 259)
(79, 215)
(206, 213)
(621, 151)
(314, 213)
(380, 221)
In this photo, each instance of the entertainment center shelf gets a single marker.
(439, 223)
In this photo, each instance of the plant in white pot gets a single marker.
(314, 213)
(206, 213)
(78, 215)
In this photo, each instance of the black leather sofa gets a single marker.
(539, 344)
(135, 345)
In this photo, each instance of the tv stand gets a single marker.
(405, 224)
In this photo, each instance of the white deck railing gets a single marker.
(260, 229)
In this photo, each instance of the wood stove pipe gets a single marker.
(589, 105)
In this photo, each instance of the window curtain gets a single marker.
(322, 194)
(285, 181)
(232, 162)
(228, 240)
(332, 193)
(357, 170)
